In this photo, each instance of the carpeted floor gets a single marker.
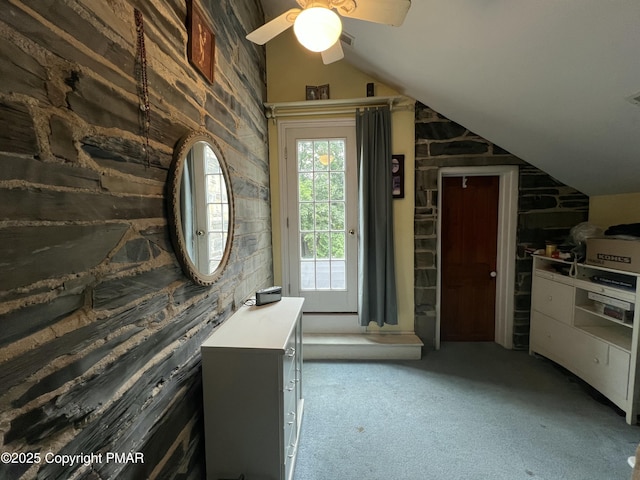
(471, 411)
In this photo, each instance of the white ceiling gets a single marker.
(547, 80)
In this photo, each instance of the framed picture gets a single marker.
(323, 92)
(397, 176)
(201, 45)
(311, 93)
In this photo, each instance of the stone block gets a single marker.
(134, 251)
(30, 170)
(552, 220)
(61, 139)
(127, 156)
(117, 292)
(537, 202)
(25, 321)
(17, 131)
(424, 227)
(20, 72)
(425, 297)
(425, 277)
(425, 244)
(537, 179)
(424, 260)
(460, 147)
(47, 205)
(87, 100)
(56, 250)
(440, 130)
(425, 329)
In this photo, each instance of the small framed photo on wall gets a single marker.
(397, 176)
(201, 45)
(323, 92)
(311, 92)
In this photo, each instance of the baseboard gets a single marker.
(367, 346)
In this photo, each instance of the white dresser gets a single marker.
(252, 382)
(577, 321)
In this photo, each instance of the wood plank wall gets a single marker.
(99, 328)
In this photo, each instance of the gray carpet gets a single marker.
(469, 411)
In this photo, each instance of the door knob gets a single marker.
(493, 274)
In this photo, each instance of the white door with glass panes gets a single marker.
(320, 243)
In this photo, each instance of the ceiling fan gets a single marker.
(318, 27)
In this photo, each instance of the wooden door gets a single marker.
(469, 228)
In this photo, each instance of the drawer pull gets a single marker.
(292, 448)
(550, 298)
(596, 360)
(290, 352)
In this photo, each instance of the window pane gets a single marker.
(337, 216)
(337, 185)
(337, 245)
(307, 246)
(322, 156)
(323, 275)
(305, 187)
(321, 187)
(338, 275)
(322, 216)
(337, 148)
(322, 245)
(305, 156)
(306, 217)
(308, 275)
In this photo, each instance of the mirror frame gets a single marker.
(175, 220)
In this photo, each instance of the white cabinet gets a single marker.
(252, 383)
(584, 318)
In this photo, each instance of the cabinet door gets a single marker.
(554, 299)
(603, 366)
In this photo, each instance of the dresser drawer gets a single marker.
(553, 299)
(551, 338)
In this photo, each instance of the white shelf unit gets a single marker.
(569, 326)
(252, 389)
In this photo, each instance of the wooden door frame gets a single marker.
(506, 255)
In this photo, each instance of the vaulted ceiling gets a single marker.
(548, 80)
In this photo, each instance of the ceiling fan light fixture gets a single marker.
(317, 28)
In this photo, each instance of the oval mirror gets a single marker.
(201, 209)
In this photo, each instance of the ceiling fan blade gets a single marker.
(273, 28)
(387, 12)
(333, 53)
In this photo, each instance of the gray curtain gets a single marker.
(377, 301)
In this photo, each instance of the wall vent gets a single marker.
(350, 39)
(635, 99)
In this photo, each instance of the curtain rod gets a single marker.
(338, 106)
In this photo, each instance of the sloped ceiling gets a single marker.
(547, 80)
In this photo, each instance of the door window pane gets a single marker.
(321, 206)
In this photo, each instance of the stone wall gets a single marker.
(100, 331)
(547, 210)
